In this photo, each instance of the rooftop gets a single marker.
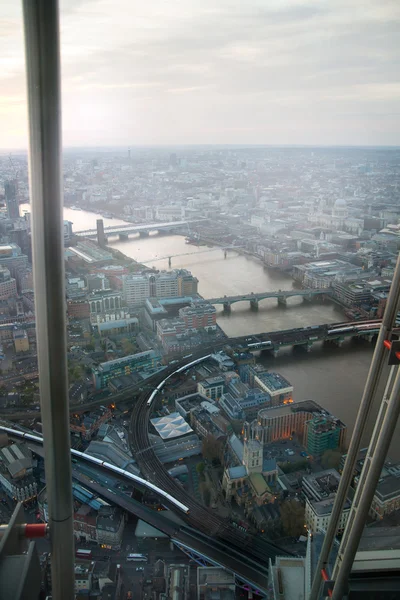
(171, 426)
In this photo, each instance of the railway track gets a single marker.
(198, 516)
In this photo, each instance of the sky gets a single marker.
(171, 72)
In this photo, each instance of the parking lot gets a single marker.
(287, 451)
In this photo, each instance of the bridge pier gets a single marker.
(227, 307)
(308, 298)
(225, 254)
(254, 304)
(169, 261)
(275, 351)
(282, 301)
(338, 342)
(143, 233)
(123, 236)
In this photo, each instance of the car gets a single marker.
(139, 569)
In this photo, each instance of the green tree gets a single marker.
(237, 426)
(331, 459)
(211, 448)
(200, 468)
(292, 516)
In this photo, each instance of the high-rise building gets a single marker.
(136, 288)
(10, 188)
(101, 237)
(323, 432)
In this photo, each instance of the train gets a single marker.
(106, 465)
(183, 368)
(358, 327)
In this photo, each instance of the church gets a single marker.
(254, 481)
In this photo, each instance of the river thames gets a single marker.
(333, 377)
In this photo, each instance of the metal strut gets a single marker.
(378, 364)
(42, 51)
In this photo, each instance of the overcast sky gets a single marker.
(215, 71)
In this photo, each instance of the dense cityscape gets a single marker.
(165, 394)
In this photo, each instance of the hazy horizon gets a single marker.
(188, 73)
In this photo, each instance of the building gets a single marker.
(10, 189)
(323, 432)
(320, 491)
(21, 340)
(8, 285)
(213, 387)
(178, 582)
(277, 387)
(101, 236)
(83, 577)
(78, 309)
(289, 578)
(90, 253)
(199, 316)
(12, 257)
(136, 288)
(246, 406)
(318, 513)
(187, 283)
(110, 527)
(282, 422)
(215, 583)
(254, 481)
(387, 496)
(104, 302)
(16, 472)
(143, 361)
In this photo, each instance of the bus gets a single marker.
(80, 553)
(136, 557)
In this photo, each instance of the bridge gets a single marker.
(123, 231)
(281, 295)
(247, 558)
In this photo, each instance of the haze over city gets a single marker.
(186, 72)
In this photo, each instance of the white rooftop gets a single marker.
(171, 426)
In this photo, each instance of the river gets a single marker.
(333, 377)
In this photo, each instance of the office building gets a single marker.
(282, 422)
(215, 583)
(8, 285)
(323, 432)
(187, 283)
(289, 578)
(136, 288)
(143, 361)
(110, 526)
(318, 513)
(16, 472)
(320, 491)
(10, 190)
(199, 316)
(278, 388)
(78, 309)
(163, 284)
(178, 582)
(213, 387)
(12, 257)
(101, 237)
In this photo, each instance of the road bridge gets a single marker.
(123, 231)
(280, 295)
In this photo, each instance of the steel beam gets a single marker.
(42, 51)
(371, 385)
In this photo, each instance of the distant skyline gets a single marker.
(203, 72)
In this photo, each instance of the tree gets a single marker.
(237, 426)
(292, 516)
(211, 448)
(331, 459)
(200, 468)
(127, 346)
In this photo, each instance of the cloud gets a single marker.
(187, 71)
